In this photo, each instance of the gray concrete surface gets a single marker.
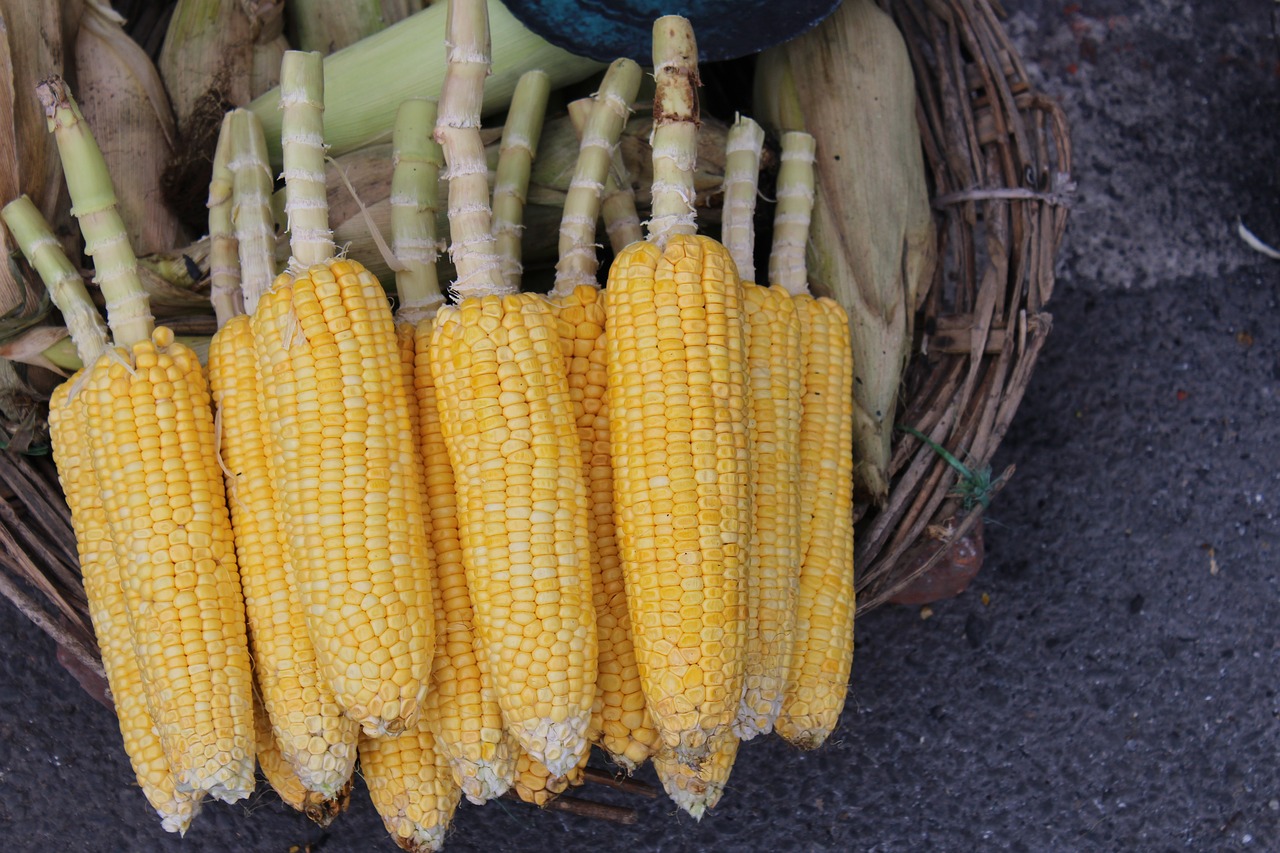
(1109, 683)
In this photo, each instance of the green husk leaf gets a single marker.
(365, 83)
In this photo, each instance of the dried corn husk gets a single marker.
(329, 25)
(40, 346)
(23, 413)
(38, 43)
(206, 55)
(269, 44)
(125, 103)
(872, 243)
(227, 50)
(34, 40)
(186, 267)
(554, 169)
(217, 55)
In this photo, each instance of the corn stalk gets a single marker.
(369, 173)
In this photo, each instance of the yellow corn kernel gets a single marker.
(697, 789)
(522, 509)
(101, 574)
(818, 675)
(620, 721)
(679, 439)
(469, 727)
(411, 784)
(154, 452)
(776, 365)
(534, 784)
(285, 781)
(345, 454)
(313, 735)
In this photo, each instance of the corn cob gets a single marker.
(282, 778)
(697, 789)
(343, 448)
(98, 566)
(508, 424)
(411, 784)
(776, 369)
(413, 780)
(620, 722)
(678, 416)
(818, 674)
(314, 737)
(536, 785)
(468, 722)
(153, 449)
(107, 610)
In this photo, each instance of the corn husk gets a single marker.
(552, 173)
(398, 10)
(365, 83)
(23, 413)
(40, 346)
(206, 55)
(269, 46)
(217, 55)
(37, 44)
(124, 101)
(225, 51)
(186, 267)
(329, 25)
(872, 244)
(34, 40)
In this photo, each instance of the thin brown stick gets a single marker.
(25, 567)
(36, 546)
(598, 811)
(620, 783)
(42, 496)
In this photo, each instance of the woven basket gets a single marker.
(1000, 161)
(1000, 164)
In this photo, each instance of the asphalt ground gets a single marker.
(1109, 681)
